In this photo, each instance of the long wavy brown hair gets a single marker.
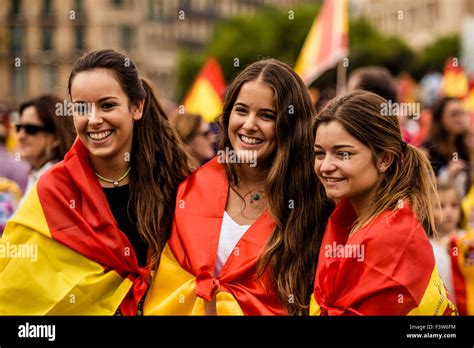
(158, 159)
(410, 175)
(292, 250)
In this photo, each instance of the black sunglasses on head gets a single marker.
(33, 128)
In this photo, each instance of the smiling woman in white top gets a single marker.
(248, 223)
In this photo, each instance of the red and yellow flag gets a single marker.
(185, 283)
(455, 82)
(327, 42)
(205, 96)
(63, 253)
(384, 268)
(462, 263)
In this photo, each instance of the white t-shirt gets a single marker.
(231, 232)
(443, 263)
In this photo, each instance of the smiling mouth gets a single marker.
(99, 136)
(333, 179)
(250, 140)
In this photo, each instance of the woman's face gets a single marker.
(252, 120)
(200, 145)
(35, 147)
(454, 118)
(102, 115)
(344, 165)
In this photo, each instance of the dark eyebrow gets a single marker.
(105, 98)
(264, 110)
(335, 147)
(100, 100)
(268, 110)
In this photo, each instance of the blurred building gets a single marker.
(417, 22)
(40, 39)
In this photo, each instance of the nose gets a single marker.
(94, 117)
(250, 123)
(327, 164)
(21, 134)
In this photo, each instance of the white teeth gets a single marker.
(100, 136)
(333, 179)
(252, 141)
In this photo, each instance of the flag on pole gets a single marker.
(327, 42)
(205, 96)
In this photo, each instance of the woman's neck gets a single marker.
(251, 177)
(111, 169)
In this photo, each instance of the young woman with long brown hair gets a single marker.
(248, 224)
(375, 257)
(97, 222)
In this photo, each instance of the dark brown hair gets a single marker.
(439, 134)
(292, 250)
(159, 162)
(359, 112)
(61, 126)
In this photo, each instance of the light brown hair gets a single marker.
(410, 175)
(187, 126)
(292, 250)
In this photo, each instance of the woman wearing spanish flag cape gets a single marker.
(375, 257)
(96, 223)
(247, 224)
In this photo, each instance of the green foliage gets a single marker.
(242, 40)
(434, 56)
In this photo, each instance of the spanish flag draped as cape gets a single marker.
(79, 262)
(462, 263)
(185, 278)
(384, 268)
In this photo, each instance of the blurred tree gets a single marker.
(434, 56)
(240, 40)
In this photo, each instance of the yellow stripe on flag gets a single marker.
(48, 278)
(327, 41)
(173, 292)
(434, 300)
(203, 100)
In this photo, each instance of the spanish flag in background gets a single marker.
(206, 93)
(327, 42)
(462, 263)
(63, 251)
(455, 82)
(384, 268)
